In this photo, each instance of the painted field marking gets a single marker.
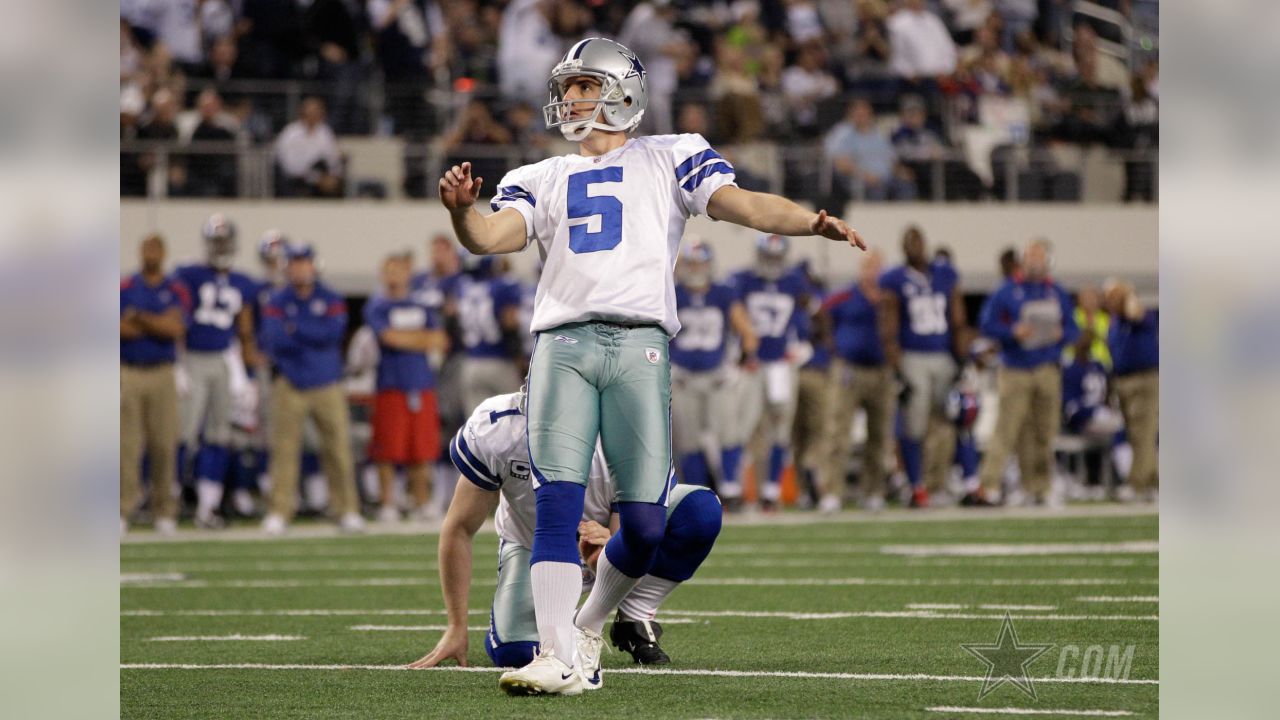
(1001, 549)
(1028, 711)
(695, 582)
(225, 638)
(985, 606)
(1119, 599)
(413, 628)
(912, 677)
(287, 613)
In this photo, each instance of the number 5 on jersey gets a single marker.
(582, 205)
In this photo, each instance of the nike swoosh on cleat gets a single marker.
(566, 677)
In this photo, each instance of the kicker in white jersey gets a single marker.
(609, 227)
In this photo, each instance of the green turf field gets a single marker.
(823, 619)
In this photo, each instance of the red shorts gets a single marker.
(401, 435)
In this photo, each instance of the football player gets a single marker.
(492, 452)
(702, 407)
(223, 312)
(488, 315)
(922, 300)
(775, 299)
(608, 220)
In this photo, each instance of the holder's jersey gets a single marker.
(492, 451)
(774, 307)
(704, 327)
(609, 227)
(924, 305)
(218, 297)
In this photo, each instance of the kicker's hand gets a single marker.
(458, 190)
(833, 228)
(452, 646)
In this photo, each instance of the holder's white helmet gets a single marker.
(623, 89)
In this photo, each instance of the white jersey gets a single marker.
(492, 451)
(609, 227)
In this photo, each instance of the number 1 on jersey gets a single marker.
(582, 205)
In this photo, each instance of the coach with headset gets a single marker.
(1032, 318)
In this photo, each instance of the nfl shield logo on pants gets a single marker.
(651, 355)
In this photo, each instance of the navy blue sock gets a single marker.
(310, 463)
(730, 462)
(691, 532)
(967, 454)
(693, 467)
(559, 509)
(777, 460)
(912, 459)
(633, 548)
(211, 463)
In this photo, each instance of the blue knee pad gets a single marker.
(692, 530)
(632, 549)
(559, 509)
(512, 654)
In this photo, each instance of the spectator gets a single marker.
(173, 25)
(966, 17)
(1134, 342)
(161, 125)
(1031, 318)
(1109, 71)
(527, 50)
(271, 41)
(924, 153)
(1093, 108)
(1139, 135)
(412, 47)
(476, 126)
(1010, 265)
(860, 380)
(1016, 17)
(474, 34)
(304, 325)
(406, 421)
(223, 63)
(307, 155)
(871, 37)
(331, 36)
(212, 172)
(864, 161)
(805, 84)
(986, 60)
(921, 47)
(737, 94)
(153, 317)
(650, 32)
(528, 131)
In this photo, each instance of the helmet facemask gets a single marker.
(221, 250)
(558, 112)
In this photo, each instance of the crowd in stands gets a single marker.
(954, 74)
(262, 395)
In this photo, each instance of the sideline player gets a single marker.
(223, 311)
(492, 452)
(609, 222)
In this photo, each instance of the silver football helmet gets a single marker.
(623, 89)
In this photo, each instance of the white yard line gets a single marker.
(413, 628)
(1119, 599)
(1028, 711)
(889, 677)
(225, 638)
(951, 606)
(668, 616)
(695, 582)
(935, 606)
(1003, 549)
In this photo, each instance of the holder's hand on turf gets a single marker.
(452, 646)
(833, 228)
(458, 190)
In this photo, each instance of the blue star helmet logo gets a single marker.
(636, 68)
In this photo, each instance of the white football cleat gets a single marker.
(589, 646)
(546, 675)
(388, 514)
(273, 525)
(351, 523)
(829, 504)
(242, 501)
(166, 527)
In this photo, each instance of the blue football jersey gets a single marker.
(924, 305)
(1084, 389)
(218, 298)
(432, 290)
(480, 307)
(772, 305)
(704, 326)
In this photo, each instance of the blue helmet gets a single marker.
(771, 255)
(694, 268)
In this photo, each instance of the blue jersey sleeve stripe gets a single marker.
(480, 478)
(515, 192)
(715, 168)
(689, 164)
(475, 461)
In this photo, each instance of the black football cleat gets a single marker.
(640, 639)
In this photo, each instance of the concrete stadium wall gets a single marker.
(1091, 241)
